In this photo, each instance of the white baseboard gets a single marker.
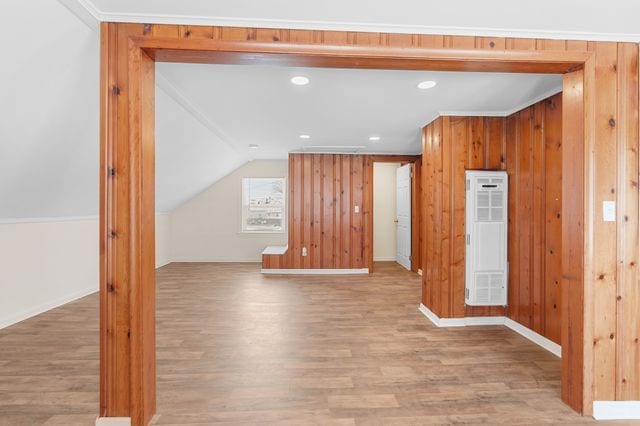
(384, 259)
(163, 263)
(460, 322)
(616, 410)
(113, 421)
(36, 310)
(315, 271)
(536, 338)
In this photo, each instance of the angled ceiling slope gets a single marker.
(49, 127)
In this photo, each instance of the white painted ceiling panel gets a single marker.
(591, 19)
(343, 107)
(49, 122)
(48, 112)
(207, 115)
(189, 158)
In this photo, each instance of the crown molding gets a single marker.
(85, 11)
(152, 18)
(91, 16)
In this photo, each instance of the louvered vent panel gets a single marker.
(483, 288)
(486, 249)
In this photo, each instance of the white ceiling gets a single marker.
(48, 112)
(341, 108)
(207, 115)
(577, 19)
(49, 123)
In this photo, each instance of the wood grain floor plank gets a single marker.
(236, 347)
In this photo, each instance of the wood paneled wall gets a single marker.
(452, 145)
(324, 190)
(528, 144)
(601, 358)
(534, 164)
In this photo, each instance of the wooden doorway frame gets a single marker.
(127, 255)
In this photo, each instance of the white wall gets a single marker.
(207, 228)
(44, 265)
(49, 263)
(384, 211)
(163, 236)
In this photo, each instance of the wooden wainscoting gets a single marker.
(528, 144)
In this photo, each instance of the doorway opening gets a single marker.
(396, 214)
(127, 374)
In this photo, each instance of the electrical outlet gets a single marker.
(356, 209)
(304, 251)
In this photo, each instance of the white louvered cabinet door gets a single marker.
(486, 269)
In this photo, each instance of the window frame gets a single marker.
(284, 207)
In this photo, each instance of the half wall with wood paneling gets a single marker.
(528, 144)
(331, 211)
(534, 165)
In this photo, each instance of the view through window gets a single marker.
(263, 205)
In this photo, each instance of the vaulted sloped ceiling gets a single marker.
(206, 115)
(49, 121)
(48, 112)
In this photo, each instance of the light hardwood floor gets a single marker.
(237, 347)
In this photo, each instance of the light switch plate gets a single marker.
(356, 209)
(609, 211)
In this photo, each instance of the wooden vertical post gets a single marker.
(127, 227)
(573, 242)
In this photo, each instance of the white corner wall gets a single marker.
(48, 263)
(384, 211)
(163, 235)
(207, 227)
(44, 265)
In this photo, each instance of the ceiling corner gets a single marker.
(84, 10)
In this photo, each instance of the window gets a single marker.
(263, 205)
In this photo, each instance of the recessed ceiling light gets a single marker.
(426, 84)
(305, 137)
(253, 146)
(300, 80)
(374, 138)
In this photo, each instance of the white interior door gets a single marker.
(403, 211)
